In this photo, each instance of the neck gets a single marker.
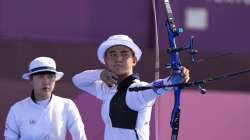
(122, 77)
(40, 97)
(36, 98)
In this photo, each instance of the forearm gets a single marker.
(145, 98)
(87, 80)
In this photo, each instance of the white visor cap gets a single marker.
(41, 64)
(118, 40)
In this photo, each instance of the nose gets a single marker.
(119, 58)
(46, 79)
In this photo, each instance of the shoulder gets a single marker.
(61, 100)
(66, 102)
(21, 105)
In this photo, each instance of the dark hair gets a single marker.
(43, 73)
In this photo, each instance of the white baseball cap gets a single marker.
(41, 64)
(118, 40)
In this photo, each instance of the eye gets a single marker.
(125, 54)
(113, 54)
(51, 76)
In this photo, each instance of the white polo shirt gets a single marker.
(27, 120)
(141, 102)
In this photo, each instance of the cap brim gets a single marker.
(59, 75)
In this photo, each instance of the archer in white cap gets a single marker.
(43, 116)
(126, 114)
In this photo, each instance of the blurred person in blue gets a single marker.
(43, 115)
(126, 114)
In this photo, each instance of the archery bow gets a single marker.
(176, 67)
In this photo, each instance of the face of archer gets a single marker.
(120, 60)
(43, 85)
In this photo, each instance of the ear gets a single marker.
(134, 61)
(105, 61)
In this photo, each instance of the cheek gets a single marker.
(35, 85)
(108, 62)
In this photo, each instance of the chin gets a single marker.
(46, 92)
(123, 74)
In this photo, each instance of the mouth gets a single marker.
(118, 65)
(46, 88)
